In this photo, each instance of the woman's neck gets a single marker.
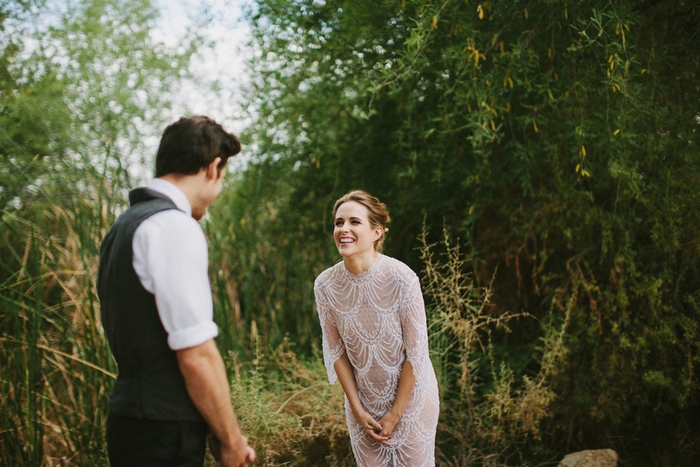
(358, 265)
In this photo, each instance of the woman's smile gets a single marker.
(353, 233)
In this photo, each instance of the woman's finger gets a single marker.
(379, 438)
(376, 436)
(373, 424)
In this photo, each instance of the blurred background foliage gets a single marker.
(539, 159)
(82, 84)
(556, 141)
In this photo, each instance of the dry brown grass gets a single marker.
(487, 411)
(289, 411)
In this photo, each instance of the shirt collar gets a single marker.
(172, 192)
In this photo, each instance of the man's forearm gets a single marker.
(207, 384)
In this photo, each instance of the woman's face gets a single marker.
(353, 233)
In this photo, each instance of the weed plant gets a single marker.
(488, 415)
(288, 410)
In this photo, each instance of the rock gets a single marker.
(591, 458)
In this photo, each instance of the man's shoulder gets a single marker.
(147, 195)
(173, 222)
(144, 203)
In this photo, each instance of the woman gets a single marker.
(375, 341)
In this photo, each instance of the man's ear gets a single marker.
(213, 169)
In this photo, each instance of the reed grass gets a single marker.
(57, 369)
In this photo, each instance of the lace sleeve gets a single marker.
(415, 331)
(333, 346)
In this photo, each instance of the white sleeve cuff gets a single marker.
(193, 336)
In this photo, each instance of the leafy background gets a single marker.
(540, 162)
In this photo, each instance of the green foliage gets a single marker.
(263, 272)
(76, 88)
(556, 139)
(288, 410)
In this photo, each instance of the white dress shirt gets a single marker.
(172, 262)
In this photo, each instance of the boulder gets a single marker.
(591, 458)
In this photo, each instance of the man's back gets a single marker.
(149, 384)
(157, 311)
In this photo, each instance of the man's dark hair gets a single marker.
(192, 143)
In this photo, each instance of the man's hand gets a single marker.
(237, 455)
(205, 378)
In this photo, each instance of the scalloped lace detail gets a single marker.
(378, 318)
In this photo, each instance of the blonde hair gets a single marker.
(377, 213)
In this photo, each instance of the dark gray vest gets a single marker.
(149, 384)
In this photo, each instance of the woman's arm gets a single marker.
(415, 340)
(406, 384)
(343, 369)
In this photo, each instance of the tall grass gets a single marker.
(57, 369)
(289, 411)
(489, 416)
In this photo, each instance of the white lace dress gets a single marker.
(378, 318)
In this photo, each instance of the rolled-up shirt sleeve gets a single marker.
(171, 260)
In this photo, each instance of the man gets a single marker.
(157, 311)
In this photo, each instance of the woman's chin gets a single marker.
(344, 251)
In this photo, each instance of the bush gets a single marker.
(288, 410)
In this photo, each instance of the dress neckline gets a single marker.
(368, 274)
